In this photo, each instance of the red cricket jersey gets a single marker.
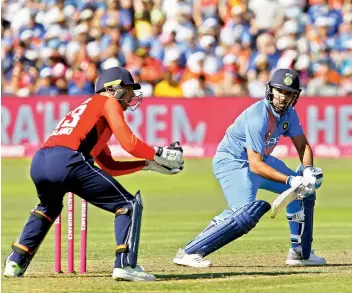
(89, 127)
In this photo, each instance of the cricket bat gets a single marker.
(284, 199)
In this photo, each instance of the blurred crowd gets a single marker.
(176, 48)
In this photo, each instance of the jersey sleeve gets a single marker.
(294, 127)
(113, 113)
(255, 130)
(116, 168)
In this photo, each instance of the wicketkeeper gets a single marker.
(243, 164)
(65, 163)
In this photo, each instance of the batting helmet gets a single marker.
(285, 79)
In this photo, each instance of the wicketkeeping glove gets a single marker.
(154, 166)
(170, 156)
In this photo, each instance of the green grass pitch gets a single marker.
(176, 208)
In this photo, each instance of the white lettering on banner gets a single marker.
(134, 120)
(5, 123)
(182, 126)
(25, 127)
(155, 124)
(322, 150)
(280, 151)
(345, 125)
(327, 125)
(13, 151)
(193, 151)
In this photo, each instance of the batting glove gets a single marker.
(312, 172)
(294, 181)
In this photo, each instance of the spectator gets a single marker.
(169, 87)
(181, 25)
(154, 43)
(190, 46)
(126, 15)
(150, 68)
(233, 82)
(203, 9)
(45, 85)
(257, 87)
(266, 49)
(268, 14)
(322, 9)
(23, 78)
(143, 24)
(236, 28)
(346, 70)
(346, 83)
(146, 87)
(197, 88)
(78, 84)
(320, 84)
(171, 7)
(37, 29)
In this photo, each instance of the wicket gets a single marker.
(70, 238)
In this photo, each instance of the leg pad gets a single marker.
(130, 254)
(239, 223)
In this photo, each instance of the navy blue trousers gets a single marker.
(58, 170)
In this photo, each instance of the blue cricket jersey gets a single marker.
(259, 128)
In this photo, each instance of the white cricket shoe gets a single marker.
(294, 258)
(12, 269)
(136, 274)
(190, 260)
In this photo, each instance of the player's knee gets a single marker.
(225, 214)
(310, 198)
(124, 210)
(47, 212)
(39, 215)
(294, 206)
(248, 216)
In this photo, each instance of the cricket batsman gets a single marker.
(243, 164)
(65, 163)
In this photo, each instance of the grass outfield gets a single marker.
(176, 209)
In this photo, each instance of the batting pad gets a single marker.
(307, 233)
(241, 222)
